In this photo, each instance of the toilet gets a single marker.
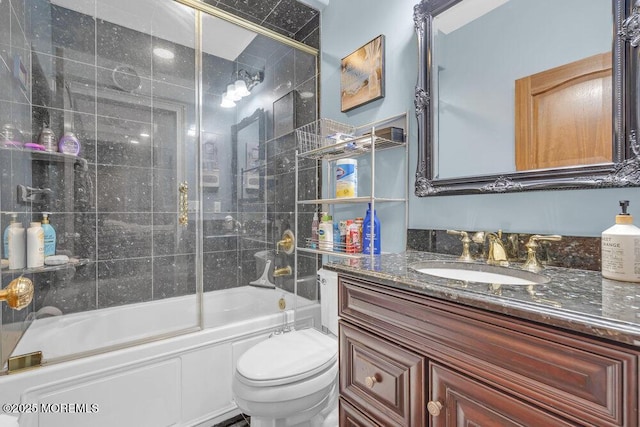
(291, 378)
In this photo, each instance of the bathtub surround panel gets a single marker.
(193, 371)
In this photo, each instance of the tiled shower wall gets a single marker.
(122, 217)
(15, 110)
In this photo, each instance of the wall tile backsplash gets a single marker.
(570, 252)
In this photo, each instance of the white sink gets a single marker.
(479, 273)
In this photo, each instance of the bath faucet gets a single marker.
(286, 243)
(466, 256)
(497, 253)
(532, 263)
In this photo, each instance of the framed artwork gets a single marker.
(362, 75)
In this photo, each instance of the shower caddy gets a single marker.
(313, 143)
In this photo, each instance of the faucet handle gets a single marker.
(532, 263)
(466, 256)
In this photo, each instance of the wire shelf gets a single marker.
(322, 133)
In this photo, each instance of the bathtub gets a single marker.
(182, 380)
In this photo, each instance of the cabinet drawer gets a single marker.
(381, 378)
(351, 417)
(583, 379)
(457, 400)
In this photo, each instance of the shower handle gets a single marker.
(183, 204)
(18, 294)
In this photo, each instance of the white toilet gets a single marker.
(291, 379)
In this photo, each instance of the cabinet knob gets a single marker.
(434, 408)
(371, 381)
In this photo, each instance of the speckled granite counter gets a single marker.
(576, 300)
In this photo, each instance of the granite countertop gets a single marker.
(576, 300)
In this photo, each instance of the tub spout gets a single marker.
(283, 271)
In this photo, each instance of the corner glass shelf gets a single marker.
(49, 156)
(73, 262)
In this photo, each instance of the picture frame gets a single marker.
(362, 75)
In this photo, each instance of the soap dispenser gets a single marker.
(620, 257)
(49, 235)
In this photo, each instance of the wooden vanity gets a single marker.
(410, 359)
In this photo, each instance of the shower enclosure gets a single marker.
(182, 185)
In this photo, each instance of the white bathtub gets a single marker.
(183, 380)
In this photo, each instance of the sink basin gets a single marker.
(479, 273)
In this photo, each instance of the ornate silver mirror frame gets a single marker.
(624, 171)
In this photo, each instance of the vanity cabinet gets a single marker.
(410, 360)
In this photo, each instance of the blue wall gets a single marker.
(347, 25)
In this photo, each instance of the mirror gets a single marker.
(248, 138)
(517, 95)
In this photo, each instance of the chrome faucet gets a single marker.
(233, 224)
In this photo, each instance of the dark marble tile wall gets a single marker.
(269, 211)
(570, 252)
(15, 110)
(287, 17)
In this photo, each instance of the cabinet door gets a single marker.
(351, 417)
(382, 379)
(457, 400)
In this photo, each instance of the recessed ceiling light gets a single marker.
(134, 141)
(163, 53)
(144, 135)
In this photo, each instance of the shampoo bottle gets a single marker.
(325, 233)
(49, 235)
(17, 252)
(5, 236)
(35, 245)
(621, 248)
(371, 233)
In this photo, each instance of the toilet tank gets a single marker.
(328, 284)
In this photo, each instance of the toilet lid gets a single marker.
(291, 356)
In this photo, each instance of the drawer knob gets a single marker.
(371, 381)
(434, 408)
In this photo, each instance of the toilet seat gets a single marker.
(287, 358)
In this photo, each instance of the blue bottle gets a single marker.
(367, 236)
(49, 235)
(337, 247)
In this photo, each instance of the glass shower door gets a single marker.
(121, 80)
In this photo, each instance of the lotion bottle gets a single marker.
(49, 235)
(5, 236)
(325, 233)
(35, 245)
(17, 258)
(621, 248)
